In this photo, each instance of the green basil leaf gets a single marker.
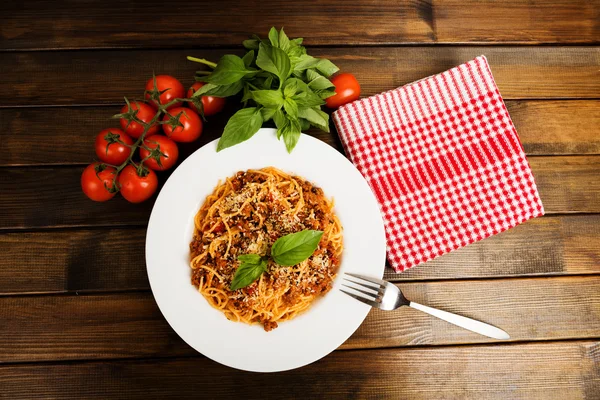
(284, 41)
(297, 41)
(305, 62)
(247, 94)
(251, 44)
(304, 124)
(248, 58)
(326, 67)
(274, 37)
(240, 127)
(296, 53)
(290, 87)
(248, 273)
(316, 117)
(268, 112)
(274, 60)
(294, 248)
(291, 108)
(282, 129)
(325, 93)
(229, 69)
(210, 89)
(291, 134)
(250, 258)
(268, 82)
(311, 74)
(308, 99)
(300, 85)
(280, 121)
(268, 98)
(318, 81)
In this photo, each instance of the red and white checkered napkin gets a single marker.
(444, 161)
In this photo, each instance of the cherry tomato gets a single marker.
(95, 180)
(173, 90)
(192, 125)
(210, 104)
(347, 89)
(114, 153)
(166, 146)
(137, 188)
(145, 114)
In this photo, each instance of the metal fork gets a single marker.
(387, 296)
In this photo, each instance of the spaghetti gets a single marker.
(245, 215)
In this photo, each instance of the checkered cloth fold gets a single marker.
(444, 160)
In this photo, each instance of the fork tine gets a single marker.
(362, 299)
(377, 282)
(372, 295)
(379, 291)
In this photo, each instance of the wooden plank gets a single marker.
(111, 24)
(72, 260)
(64, 260)
(543, 246)
(44, 328)
(537, 21)
(568, 183)
(100, 77)
(521, 371)
(52, 197)
(65, 135)
(557, 127)
(528, 309)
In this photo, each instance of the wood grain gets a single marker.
(557, 127)
(65, 135)
(73, 260)
(52, 197)
(568, 183)
(68, 327)
(113, 259)
(522, 371)
(535, 21)
(100, 77)
(110, 24)
(528, 309)
(542, 246)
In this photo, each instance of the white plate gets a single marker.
(306, 338)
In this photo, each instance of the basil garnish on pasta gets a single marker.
(251, 268)
(288, 250)
(292, 249)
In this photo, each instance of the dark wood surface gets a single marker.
(77, 318)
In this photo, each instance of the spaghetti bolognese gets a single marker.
(245, 215)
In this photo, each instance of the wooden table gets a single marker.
(77, 318)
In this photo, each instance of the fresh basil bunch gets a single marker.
(288, 250)
(279, 81)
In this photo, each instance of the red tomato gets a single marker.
(192, 125)
(114, 153)
(173, 90)
(166, 146)
(347, 89)
(210, 104)
(137, 188)
(145, 114)
(95, 183)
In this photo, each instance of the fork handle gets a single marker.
(464, 322)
